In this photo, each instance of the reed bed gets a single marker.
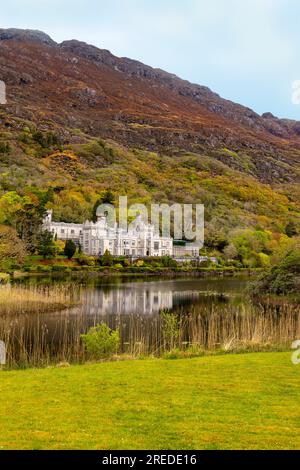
(243, 327)
(41, 340)
(16, 300)
(226, 328)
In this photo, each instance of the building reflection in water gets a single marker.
(211, 313)
(135, 299)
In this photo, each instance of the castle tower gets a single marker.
(48, 216)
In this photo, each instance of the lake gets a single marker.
(207, 313)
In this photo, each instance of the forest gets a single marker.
(248, 224)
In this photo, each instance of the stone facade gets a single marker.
(140, 240)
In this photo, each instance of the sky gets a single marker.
(245, 50)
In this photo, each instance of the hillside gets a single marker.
(79, 120)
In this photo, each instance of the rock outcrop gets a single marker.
(77, 85)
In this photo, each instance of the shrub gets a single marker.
(85, 260)
(43, 269)
(58, 268)
(4, 147)
(171, 325)
(4, 278)
(139, 263)
(106, 259)
(282, 279)
(25, 138)
(15, 267)
(70, 249)
(27, 268)
(101, 342)
(45, 140)
(168, 262)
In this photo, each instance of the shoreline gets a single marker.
(133, 272)
(170, 356)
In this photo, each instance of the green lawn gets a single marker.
(249, 401)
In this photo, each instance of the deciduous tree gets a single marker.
(12, 249)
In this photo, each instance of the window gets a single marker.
(156, 246)
(62, 230)
(72, 232)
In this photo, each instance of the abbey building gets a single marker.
(140, 240)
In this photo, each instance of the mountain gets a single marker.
(160, 135)
(81, 86)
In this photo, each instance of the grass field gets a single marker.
(247, 401)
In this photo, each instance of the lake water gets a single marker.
(140, 297)
(209, 313)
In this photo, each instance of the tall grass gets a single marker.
(24, 323)
(16, 300)
(213, 327)
(40, 340)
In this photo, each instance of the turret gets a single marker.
(48, 216)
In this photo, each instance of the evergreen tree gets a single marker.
(70, 249)
(28, 221)
(46, 245)
(107, 259)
